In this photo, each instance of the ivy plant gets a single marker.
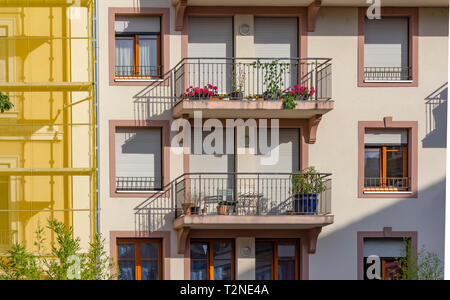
(5, 104)
(273, 73)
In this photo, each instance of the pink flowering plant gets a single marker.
(300, 92)
(201, 93)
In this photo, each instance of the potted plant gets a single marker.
(238, 82)
(300, 93)
(5, 104)
(205, 210)
(273, 73)
(222, 208)
(306, 186)
(195, 207)
(187, 208)
(224, 97)
(197, 93)
(289, 102)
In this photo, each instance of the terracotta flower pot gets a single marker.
(221, 210)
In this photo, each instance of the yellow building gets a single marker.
(47, 141)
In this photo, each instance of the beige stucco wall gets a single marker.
(335, 150)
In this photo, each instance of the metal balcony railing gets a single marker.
(138, 184)
(252, 76)
(387, 184)
(138, 72)
(387, 73)
(252, 194)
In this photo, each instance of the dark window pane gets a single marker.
(125, 251)
(150, 250)
(264, 251)
(127, 270)
(372, 167)
(222, 250)
(263, 270)
(394, 164)
(286, 270)
(149, 270)
(222, 270)
(286, 251)
(199, 251)
(198, 270)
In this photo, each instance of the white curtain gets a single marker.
(148, 58)
(124, 58)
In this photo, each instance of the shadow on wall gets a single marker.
(156, 213)
(436, 117)
(336, 256)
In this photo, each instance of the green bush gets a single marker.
(5, 104)
(65, 261)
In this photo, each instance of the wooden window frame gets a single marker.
(383, 150)
(275, 258)
(136, 37)
(413, 14)
(210, 255)
(137, 255)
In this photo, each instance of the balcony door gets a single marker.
(210, 38)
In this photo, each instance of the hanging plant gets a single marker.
(5, 104)
(274, 73)
(289, 102)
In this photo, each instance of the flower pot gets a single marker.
(187, 208)
(237, 96)
(290, 212)
(305, 204)
(204, 211)
(214, 98)
(221, 210)
(195, 210)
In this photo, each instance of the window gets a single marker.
(277, 260)
(386, 160)
(212, 260)
(138, 47)
(389, 250)
(139, 259)
(386, 49)
(138, 159)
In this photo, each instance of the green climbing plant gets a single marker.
(273, 74)
(5, 104)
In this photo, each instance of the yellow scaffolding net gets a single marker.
(47, 141)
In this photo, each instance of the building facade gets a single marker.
(47, 154)
(360, 96)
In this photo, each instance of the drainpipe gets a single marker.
(97, 116)
(447, 195)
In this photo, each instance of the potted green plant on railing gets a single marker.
(5, 104)
(273, 73)
(238, 82)
(307, 185)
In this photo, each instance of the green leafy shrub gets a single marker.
(5, 104)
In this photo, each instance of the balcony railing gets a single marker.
(138, 72)
(387, 74)
(387, 184)
(252, 76)
(138, 184)
(251, 194)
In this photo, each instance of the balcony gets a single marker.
(252, 88)
(252, 201)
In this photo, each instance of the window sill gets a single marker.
(387, 192)
(141, 192)
(138, 80)
(387, 81)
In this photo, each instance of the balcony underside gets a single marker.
(252, 222)
(251, 109)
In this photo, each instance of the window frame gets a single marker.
(164, 125)
(383, 150)
(136, 38)
(413, 15)
(164, 14)
(412, 127)
(275, 259)
(137, 258)
(210, 255)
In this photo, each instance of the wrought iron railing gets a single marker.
(138, 72)
(252, 194)
(250, 76)
(387, 73)
(138, 184)
(387, 184)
